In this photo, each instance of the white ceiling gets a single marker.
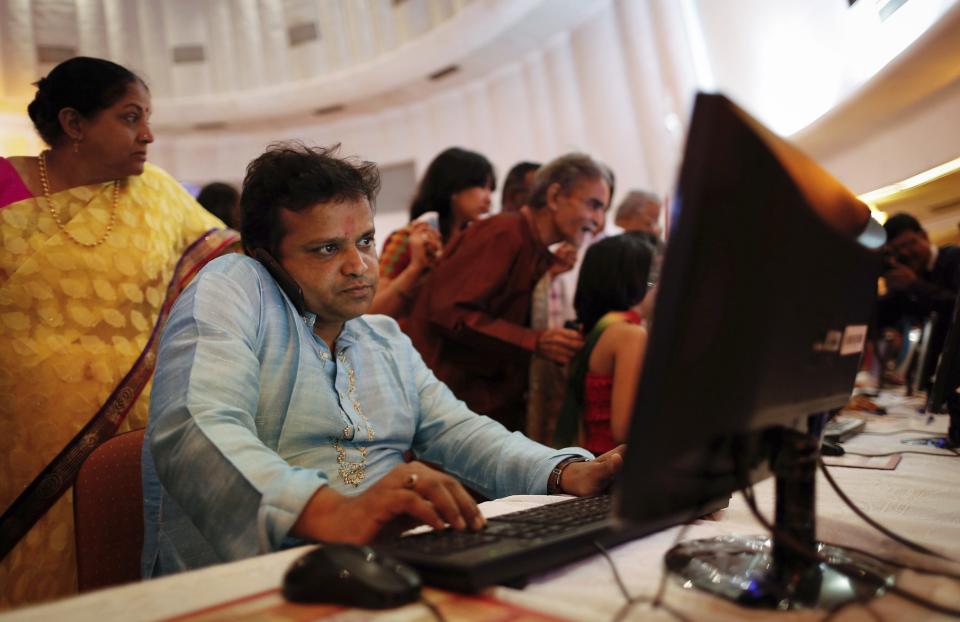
(244, 65)
(920, 83)
(213, 63)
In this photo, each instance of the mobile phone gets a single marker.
(431, 218)
(286, 282)
(889, 259)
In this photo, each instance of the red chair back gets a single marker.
(108, 513)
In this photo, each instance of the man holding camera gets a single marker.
(920, 278)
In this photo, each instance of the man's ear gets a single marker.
(72, 123)
(553, 191)
(283, 278)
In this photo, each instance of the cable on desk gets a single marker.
(433, 608)
(955, 454)
(930, 433)
(708, 459)
(893, 562)
(843, 569)
(662, 587)
(632, 600)
(910, 544)
(613, 567)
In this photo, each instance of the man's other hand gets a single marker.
(593, 477)
(564, 259)
(559, 344)
(899, 277)
(411, 490)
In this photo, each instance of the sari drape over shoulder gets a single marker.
(75, 324)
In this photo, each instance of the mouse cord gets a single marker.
(955, 454)
(929, 433)
(843, 568)
(895, 563)
(870, 521)
(633, 600)
(433, 608)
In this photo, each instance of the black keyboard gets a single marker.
(512, 546)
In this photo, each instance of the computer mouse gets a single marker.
(356, 576)
(830, 448)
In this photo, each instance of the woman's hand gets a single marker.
(425, 246)
(394, 294)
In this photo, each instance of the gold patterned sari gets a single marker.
(75, 324)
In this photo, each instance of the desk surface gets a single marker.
(920, 499)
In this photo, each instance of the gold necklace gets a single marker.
(352, 473)
(42, 164)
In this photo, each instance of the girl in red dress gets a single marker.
(611, 299)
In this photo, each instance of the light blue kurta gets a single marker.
(248, 406)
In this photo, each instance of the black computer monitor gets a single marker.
(943, 396)
(933, 341)
(766, 292)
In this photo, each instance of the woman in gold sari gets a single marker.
(96, 244)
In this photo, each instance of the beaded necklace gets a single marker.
(42, 164)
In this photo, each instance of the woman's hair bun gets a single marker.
(87, 85)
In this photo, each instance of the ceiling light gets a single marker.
(919, 179)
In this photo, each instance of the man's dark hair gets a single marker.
(293, 176)
(88, 85)
(613, 277)
(567, 170)
(900, 223)
(453, 170)
(219, 199)
(515, 191)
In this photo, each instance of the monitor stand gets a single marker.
(793, 570)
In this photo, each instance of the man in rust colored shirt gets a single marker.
(470, 320)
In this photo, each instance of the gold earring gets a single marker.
(76, 145)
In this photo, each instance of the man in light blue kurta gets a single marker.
(277, 416)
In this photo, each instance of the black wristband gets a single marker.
(553, 483)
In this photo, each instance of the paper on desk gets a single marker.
(896, 403)
(884, 463)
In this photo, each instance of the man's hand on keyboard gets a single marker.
(412, 489)
(593, 477)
